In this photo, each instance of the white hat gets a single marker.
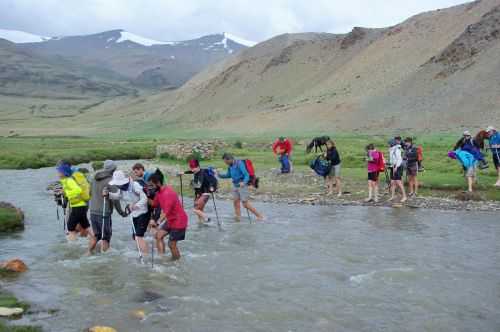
(119, 179)
(467, 133)
(490, 128)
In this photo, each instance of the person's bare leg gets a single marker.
(470, 181)
(329, 185)
(160, 243)
(498, 180)
(415, 185)
(393, 190)
(202, 217)
(375, 192)
(370, 191)
(401, 186)
(142, 244)
(104, 245)
(174, 250)
(339, 186)
(92, 244)
(254, 211)
(237, 209)
(72, 236)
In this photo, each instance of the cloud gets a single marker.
(185, 19)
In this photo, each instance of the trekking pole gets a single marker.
(153, 253)
(248, 214)
(182, 194)
(141, 258)
(216, 213)
(103, 221)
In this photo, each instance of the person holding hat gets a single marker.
(396, 161)
(101, 207)
(494, 140)
(468, 144)
(73, 193)
(132, 194)
(282, 148)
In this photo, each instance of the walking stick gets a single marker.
(249, 218)
(215, 208)
(141, 258)
(103, 221)
(182, 194)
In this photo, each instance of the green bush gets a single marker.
(238, 145)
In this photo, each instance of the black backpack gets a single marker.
(412, 155)
(211, 179)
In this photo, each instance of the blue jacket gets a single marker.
(466, 159)
(495, 141)
(237, 172)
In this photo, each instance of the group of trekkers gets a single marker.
(144, 196)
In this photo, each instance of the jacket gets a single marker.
(466, 159)
(237, 172)
(133, 196)
(333, 156)
(285, 147)
(494, 141)
(72, 192)
(395, 156)
(168, 201)
(99, 182)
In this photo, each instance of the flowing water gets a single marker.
(306, 269)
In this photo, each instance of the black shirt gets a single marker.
(332, 155)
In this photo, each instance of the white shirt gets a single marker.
(396, 156)
(134, 196)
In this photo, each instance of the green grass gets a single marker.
(10, 220)
(19, 328)
(10, 301)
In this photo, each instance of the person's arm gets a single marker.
(143, 199)
(335, 157)
(227, 175)
(114, 193)
(243, 169)
(275, 147)
(186, 172)
(289, 147)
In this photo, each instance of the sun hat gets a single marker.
(467, 133)
(119, 179)
(109, 165)
(490, 128)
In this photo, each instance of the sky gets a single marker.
(167, 20)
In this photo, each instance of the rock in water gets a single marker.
(101, 329)
(14, 265)
(138, 314)
(8, 312)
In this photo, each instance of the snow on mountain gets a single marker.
(20, 37)
(128, 36)
(239, 40)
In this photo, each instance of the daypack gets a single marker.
(212, 179)
(420, 153)
(83, 183)
(381, 161)
(412, 155)
(254, 181)
(321, 166)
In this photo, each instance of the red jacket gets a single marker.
(285, 146)
(171, 206)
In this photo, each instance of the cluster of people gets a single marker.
(144, 196)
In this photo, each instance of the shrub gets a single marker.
(238, 145)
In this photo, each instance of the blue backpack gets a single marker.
(212, 178)
(321, 166)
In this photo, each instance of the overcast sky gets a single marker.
(184, 19)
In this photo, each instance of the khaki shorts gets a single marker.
(471, 172)
(335, 171)
(241, 193)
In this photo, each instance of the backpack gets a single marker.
(321, 166)
(254, 181)
(83, 183)
(420, 153)
(381, 161)
(211, 179)
(412, 155)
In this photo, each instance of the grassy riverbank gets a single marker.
(442, 174)
(7, 300)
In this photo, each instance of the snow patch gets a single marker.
(127, 36)
(239, 40)
(20, 37)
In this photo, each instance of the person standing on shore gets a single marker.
(101, 207)
(396, 161)
(494, 140)
(411, 160)
(373, 159)
(333, 178)
(282, 149)
(176, 221)
(240, 178)
(133, 195)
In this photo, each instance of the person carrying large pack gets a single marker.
(101, 207)
(396, 170)
(76, 190)
(282, 148)
(204, 184)
(494, 142)
(468, 144)
(468, 163)
(240, 174)
(411, 164)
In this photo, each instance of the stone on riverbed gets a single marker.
(11, 218)
(9, 312)
(14, 265)
(138, 314)
(101, 329)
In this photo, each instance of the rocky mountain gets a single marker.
(147, 63)
(438, 70)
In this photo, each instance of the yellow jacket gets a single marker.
(72, 191)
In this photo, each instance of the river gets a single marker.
(307, 268)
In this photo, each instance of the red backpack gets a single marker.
(254, 181)
(381, 162)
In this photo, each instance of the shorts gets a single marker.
(496, 158)
(397, 175)
(201, 201)
(141, 224)
(77, 216)
(96, 221)
(176, 234)
(335, 171)
(373, 176)
(471, 172)
(241, 193)
(412, 170)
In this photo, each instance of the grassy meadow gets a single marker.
(442, 174)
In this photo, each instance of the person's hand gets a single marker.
(242, 184)
(127, 210)
(180, 174)
(152, 223)
(105, 192)
(211, 189)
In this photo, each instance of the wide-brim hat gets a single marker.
(119, 179)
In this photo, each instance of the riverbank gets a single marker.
(9, 301)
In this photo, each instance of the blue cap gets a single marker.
(65, 169)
